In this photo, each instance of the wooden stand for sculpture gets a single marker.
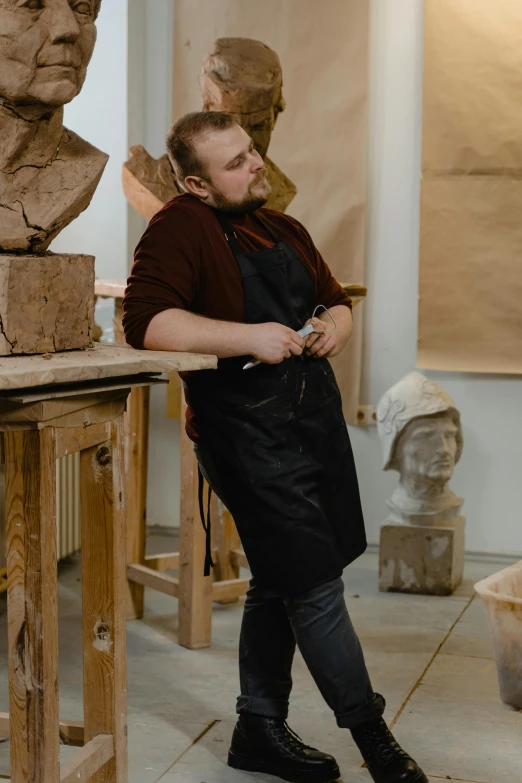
(423, 559)
(194, 591)
(79, 409)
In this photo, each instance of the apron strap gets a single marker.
(230, 232)
(206, 527)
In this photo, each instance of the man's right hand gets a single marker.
(271, 343)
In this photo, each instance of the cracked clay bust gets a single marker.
(48, 174)
(421, 436)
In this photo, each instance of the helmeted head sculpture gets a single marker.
(421, 436)
(412, 398)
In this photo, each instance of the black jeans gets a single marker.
(316, 621)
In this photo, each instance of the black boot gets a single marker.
(387, 761)
(269, 745)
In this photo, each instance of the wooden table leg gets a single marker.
(32, 605)
(103, 588)
(136, 429)
(195, 590)
(136, 461)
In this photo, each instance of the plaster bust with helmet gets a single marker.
(421, 436)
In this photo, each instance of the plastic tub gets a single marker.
(502, 596)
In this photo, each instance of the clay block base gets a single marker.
(419, 559)
(46, 303)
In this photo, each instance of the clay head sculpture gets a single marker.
(421, 436)
(243, 77)
(47, 174)
(45, 48)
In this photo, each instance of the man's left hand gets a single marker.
(329, 344)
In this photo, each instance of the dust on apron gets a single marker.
(273, 439)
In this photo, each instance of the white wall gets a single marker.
(164, 465)
(99, 115)
(489, 476)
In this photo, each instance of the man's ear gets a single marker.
(197, 187)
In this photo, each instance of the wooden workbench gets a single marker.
(51, 406)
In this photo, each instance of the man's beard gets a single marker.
(249, 204)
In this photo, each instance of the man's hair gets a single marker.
(183, 134)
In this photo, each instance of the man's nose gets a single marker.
(257, 162)
(63, 26)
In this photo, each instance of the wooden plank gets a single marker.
(68, 441)
(355, 289)
(174, 392)
(119, 333)
(227, 539)
(95, 414)
(225, 592)
(101, 361)
(87, 761)
(46, 410)
(110, 288)
(239, 559)
(71, 732)
(195, 590)
(87, 389)
(167, 562)
(32, 605)
(104, 599)
(136, 427)
(4, 724)
(149, 578)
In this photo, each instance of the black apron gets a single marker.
(275, 440)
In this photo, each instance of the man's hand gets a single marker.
(271, 343)
(330, 344)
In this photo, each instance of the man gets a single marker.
(215, 273)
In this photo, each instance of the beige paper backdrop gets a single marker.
(470, 309)
(320, 139)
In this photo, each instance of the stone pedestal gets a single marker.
(46, 303)
(421, 559)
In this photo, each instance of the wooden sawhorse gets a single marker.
(194, 591)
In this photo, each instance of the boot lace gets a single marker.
(283, 734)
(379, 743)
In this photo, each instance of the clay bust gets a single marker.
(244, 78)
(421, 436)
(48, 174)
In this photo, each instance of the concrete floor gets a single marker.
(430, 657)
